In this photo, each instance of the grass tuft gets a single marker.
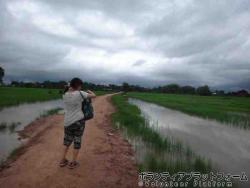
(162, 153)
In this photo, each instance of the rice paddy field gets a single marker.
(10, 96)
(154, 153)
(159, 149)
(232, 110)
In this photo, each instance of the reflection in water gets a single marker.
(23, 115)
(228, 147)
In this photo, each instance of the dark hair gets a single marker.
(75, 83)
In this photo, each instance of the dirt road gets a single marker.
(106, 160)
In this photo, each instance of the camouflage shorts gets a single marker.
(74, 133)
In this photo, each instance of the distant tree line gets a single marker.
(62, 85)
(177, 89)
(45, 84)
(170, 88)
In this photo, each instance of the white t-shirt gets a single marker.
(73, 106)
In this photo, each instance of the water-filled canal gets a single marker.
(20, 116)
(228, 147)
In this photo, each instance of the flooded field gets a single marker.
(15, 118)
(228, 147)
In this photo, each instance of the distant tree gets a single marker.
(125, 87)
(1, 75)
(114, 87)
(203, 90)
(14, 83)
(220, 92)
(187, 90)
(171, 88)
(61, 84)
(47, 84)
(242, 93)
(136, 88)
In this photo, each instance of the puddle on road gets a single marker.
(16, 118)
(227, 147)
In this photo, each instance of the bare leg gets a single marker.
(75, 154)
(65, 151)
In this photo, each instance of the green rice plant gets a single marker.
(152, 152)
(10, 96)
(234, 111)
(164, 153)
(129, 116)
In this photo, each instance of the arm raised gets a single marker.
(91, 94)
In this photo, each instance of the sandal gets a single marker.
(63, 162)
(73, 164)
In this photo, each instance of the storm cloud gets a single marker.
(141, 42)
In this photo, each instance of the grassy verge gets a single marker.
(160, 155)
(233, 110)
(10, 96)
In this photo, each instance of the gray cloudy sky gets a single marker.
(147, 42)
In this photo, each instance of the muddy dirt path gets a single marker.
(106, 159)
